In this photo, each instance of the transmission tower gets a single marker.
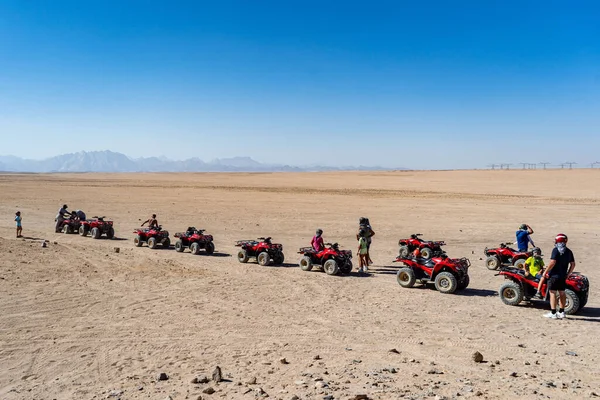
(544, 164)
(524, 165)
(570, 164)
(493, 166)
(593, 165)
(532, 166)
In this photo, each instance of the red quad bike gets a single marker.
(519, 287)
(70, 226)
(506, 256)
(263, 249)
(427, 249)
(152, 236)
(448, 274)
(332, 260)
(96, 227)
(195, 239)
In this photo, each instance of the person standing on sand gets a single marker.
(365, 226)
(561, 266)
(523, 238)
(60, 217)
(317, 241)
(363, 252)
(18, 220)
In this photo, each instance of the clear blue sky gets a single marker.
(430, 84)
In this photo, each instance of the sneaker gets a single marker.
(550, 315)
(538, 296)
(560, 315)
(366, 268)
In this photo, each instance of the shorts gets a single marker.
(557, 283)
(539, 276)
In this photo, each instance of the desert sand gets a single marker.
(79, 321)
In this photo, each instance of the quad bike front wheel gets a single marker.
(464, 282)
(95, 232)
(152, 243)
(263, 258)
(573, 304)
(137, 241)
(403, 251)
(306, 263)
(67, 229)
(492, 263)
(446, 282)
(331, 267)
(166, 243)
(406, 277)
(110, 233)
(209, 248)
(347, 267)
(195, 248)
(83, 231)
(511, 293)
(242, 256)
(426, 253)
(179, 247)
(278, 258)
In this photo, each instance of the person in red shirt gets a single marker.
(317, 241)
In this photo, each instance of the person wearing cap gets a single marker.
(561, 265)
(317, 241)
(61, 216)
(534, 266)
(523, 238)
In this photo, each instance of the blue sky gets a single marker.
(431, 84)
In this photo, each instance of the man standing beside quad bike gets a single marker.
(561, 266)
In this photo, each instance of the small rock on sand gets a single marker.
(217, 375)
(283, 361)
(162, 377)
(477, 357)
(209, 390)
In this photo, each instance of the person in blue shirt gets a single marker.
(523, 238)
(18, 220)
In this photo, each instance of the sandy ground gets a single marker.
(79, 321)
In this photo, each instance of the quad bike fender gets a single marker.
(441, 268)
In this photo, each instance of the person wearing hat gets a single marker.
(561, 266)
(534, 267)
(317, 241)
(60, 217)
(523, 238)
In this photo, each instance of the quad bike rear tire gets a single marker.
(426, 253)
(110, 233)
(306, 263)
(511, 293)
(83, 231)
(166, 243)
(152, 242)
(137, 241)
(492, 263)
(331, 267)
(520, 263)
(209, 248)
(195, 248)
(573, 304)
(263, 258)
(243, 256)
(278, 258)
(406, 277)
(464, 283)
(95, 232)
(179, 247)
(346, 268)
(403, 251)
(67, 229)
(446, 283)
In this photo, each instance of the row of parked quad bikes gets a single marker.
(422, 261)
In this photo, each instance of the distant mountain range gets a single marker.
(108, 161)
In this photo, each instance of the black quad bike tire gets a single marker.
(520, 263)
(511, 293)
(573, 304)
(426, 253)
(306, 263)
(464, 282)
(331, 267)
(242, 256)
(403, 251)
(406, 277)
(137, 241)
(278, 258)
(83, 231)
(67, 229)
(166, 243)
(446, 283)
(492, 263)
(263, 258)
(95, 232)
(209, 248)
(347, 267)
(152, 242)
(110, 233)
(179, 247)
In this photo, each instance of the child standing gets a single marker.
(18, 220)
(363, 252)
